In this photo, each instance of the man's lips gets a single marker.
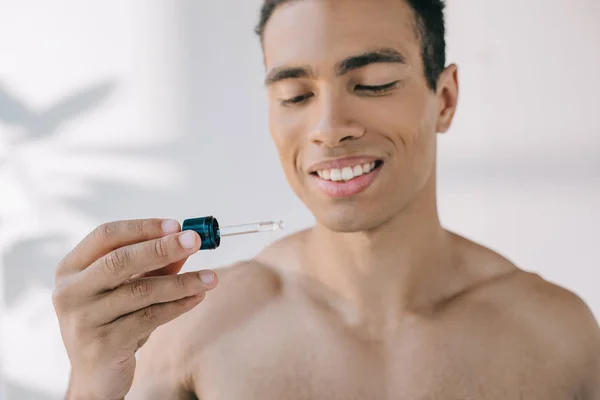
(348, 181)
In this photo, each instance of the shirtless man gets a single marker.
(377, 301)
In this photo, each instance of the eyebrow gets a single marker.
(383, 55)
(282, 73)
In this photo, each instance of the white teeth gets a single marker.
(336, 175)
(346, 173)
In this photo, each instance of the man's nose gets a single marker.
(335, 123)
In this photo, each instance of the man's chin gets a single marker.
(343, 221)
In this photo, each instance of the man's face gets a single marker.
(349, 108)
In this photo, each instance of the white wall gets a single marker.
(169, 119)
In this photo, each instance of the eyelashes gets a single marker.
(361, 89)
(377, 89)
(297, 99)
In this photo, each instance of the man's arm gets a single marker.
(591, 335)
(593, 383)
(161, 368)
(594, 393)
(573, 334)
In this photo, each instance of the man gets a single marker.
(377, 301)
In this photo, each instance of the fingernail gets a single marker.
(187, 239)
(207, 277)
(170, 226)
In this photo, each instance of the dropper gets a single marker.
(211, 234)
(265, 226)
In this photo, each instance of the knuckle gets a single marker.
(181, 282)
(160, 248)
(140, 289)
(137, 226)
(59, 298)
(62, 273)
(59, 272)
(111, 262)
(149, 314)
(116, 261)
(104, 231)
(60, 267)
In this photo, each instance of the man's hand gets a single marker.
(116, 287)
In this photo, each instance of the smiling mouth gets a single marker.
(348, 173)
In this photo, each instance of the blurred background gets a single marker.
(132, 109)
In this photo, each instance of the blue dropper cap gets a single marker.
(211, 234)
(207, 228)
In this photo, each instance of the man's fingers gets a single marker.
(144, 292)
(121, 264)
(113, 235)
(141, 323)
(171, 269)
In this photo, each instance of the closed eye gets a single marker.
(377, 89)
(297, 99)
(380, 89)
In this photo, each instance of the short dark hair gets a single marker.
(430, 29)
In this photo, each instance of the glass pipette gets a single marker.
(245, 229)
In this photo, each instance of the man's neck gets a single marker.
(374, 277)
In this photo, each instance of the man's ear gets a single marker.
(447, 97)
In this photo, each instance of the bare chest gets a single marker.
(299, 359)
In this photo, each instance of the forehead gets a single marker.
(317, 31)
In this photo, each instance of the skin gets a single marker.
(377, 301)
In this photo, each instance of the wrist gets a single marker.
(75, 395)
(80, 391)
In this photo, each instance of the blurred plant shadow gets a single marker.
(32, 260)
(131, 200)
(39, 124)
(28, 259)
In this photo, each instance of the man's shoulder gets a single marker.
(174, 351)
(525, 295)
(559, 323)
(244, 289)
(554, 318)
